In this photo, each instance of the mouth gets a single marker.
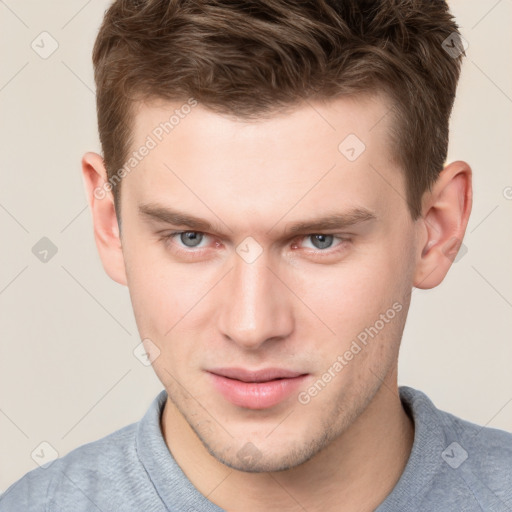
(256, 389)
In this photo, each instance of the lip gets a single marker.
(256, 389)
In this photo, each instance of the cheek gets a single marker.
(162, 311)
(349, 297)
(161, 290)
(161, 301)
(364, 306)
(158, 289)
(168, 301)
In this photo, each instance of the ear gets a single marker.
(101, 203)
(445, 214)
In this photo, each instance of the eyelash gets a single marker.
(167, 239)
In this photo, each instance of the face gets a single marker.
(277, 313)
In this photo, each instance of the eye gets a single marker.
(185, 239)
(190, 239)
(321, 241)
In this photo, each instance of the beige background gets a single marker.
(67, 371)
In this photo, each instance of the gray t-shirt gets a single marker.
(454, 465)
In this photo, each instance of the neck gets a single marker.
(370, 455)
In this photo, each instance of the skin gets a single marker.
(297, 306)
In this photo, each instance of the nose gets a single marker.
(256, 305)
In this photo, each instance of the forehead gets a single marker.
(359, 114)
(319, 154)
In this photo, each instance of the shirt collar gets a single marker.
(174, 488)
(425, 458)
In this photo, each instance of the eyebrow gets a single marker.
(333, 221)
(336, 220)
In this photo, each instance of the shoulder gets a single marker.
(469, 462)
(76, 471)
(488, 450)
(477, 461)
(479, 441)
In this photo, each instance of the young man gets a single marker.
(272, 187)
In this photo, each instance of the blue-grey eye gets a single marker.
(324, 241)
(191, 238)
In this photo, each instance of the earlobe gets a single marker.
(101, 204)
(446, 211)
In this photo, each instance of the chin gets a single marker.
(265, 457)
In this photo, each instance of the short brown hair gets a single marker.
(253, 58)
